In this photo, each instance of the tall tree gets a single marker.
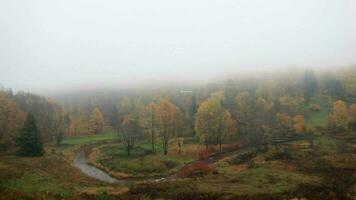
(228, 128)
(130, 131)
(97, 122)
(193, 111)
(208, 120)
(168, 121)
(123, 108)
(338, 119)
(245, 109)
(148, 121)
(310, 85)
(11, 120)
(29, 141)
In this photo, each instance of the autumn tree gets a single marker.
(148, 121)
(62, 121)
(44, 110)
(284, 124)
(11, 120)
(58, 121)
(352, 116)
(29, 141)
(168, 122)
(97, 122)
(299, 124)
(130, 131)
(208, 120)
(244, 109)
(123, 107)
(290, 105)
(228, 128)
(193, 111)
(79, 125)
(338, 118)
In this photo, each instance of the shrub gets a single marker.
(196, 169)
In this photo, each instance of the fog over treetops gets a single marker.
(49, 45)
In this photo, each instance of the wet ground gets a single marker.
(81, 163)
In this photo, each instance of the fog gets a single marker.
(48, 44)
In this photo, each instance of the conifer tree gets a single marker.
(29, 141)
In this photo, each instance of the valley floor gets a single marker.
(296, 169)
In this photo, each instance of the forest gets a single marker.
(283, 134)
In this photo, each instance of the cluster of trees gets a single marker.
(85, 125)
(51, 118)
(341, 118)
(28, 120)
(156, 121)
(213, 123)
(258, 108)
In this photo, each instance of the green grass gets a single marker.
(35, 182)
(83, 139)
(141, 160)
(326, 144)
(47, 176)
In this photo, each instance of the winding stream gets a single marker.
(81, 163)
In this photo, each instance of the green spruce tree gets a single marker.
(29, 141)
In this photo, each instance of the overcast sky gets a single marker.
(65, 43)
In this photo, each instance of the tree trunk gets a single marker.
(152, 142)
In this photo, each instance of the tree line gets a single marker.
(259, 108)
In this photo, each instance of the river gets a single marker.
(81, 163)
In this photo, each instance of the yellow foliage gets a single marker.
(340, 114)
(97, 122)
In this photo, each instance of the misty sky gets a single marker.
(66, 43)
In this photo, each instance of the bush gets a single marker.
(196, 169)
